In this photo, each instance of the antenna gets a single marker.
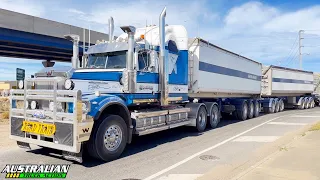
(89, 34)
(84, 41)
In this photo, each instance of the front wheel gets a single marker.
(109, 139)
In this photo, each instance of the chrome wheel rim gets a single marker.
(273, 107)
(213, 118)
(245, 111)
(251, 109)
(202, 118)
(257, 108)
(113, 137)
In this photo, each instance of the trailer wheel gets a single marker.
(250, 109)
(256, 108)
(306, 103)
(201, 119)
(214, 117)
(301, 106)
(281, 105)
(242, 111)
(270, 109)
(312, 104)
(109, 139)
(277, 108)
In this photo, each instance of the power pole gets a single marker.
(300, 48)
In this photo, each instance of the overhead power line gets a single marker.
(291, 49)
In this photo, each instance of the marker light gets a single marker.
(21, 84)
(33, 104)
(68, 84)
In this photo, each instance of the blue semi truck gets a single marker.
(146, 80)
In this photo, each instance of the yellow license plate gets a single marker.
(38, 128)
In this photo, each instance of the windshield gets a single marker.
(110, 60)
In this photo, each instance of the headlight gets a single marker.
(27, 105)
(33, 104)
(58, 106)
(68, 84)
(51, 106)
(21, 84)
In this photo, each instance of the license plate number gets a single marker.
(38, 128)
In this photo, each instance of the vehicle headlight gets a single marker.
(27, 105)
(21, 84)
(51, 106)
(33, 104)
(58, 106)
(68, 84)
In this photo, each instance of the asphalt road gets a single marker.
(177, 153)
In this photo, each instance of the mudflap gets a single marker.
(78, 157)
(23, 145)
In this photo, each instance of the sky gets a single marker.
(265, 30)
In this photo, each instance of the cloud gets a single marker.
(267, 34)
(250, 14)
(139, 13)
(260, 31)
(29, 7)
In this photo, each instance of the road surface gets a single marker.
(179, 153)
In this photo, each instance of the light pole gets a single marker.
(300, 48)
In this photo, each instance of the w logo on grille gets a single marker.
(85, 130)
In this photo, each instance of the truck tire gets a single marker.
(305, 103)
(281, 105)
(256, 108)
(214, 117)
(250, 109)
(201, 120)
(108, 139)
(242, 111)
(277, 108)
(301, 106)
(270, 109)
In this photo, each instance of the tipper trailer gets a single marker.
(286, 88)
(147, 80)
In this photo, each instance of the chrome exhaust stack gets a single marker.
(129, 76)
(111, 29)
(75, 56)
(163, 75)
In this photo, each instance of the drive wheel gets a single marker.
(214, 117)
(201, 119)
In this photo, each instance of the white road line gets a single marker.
(180, 177)
(287, 123)
(256, 139)
(306, 116)
(206, 150)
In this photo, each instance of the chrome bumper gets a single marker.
(72, 128)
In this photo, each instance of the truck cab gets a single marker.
(122, 87)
